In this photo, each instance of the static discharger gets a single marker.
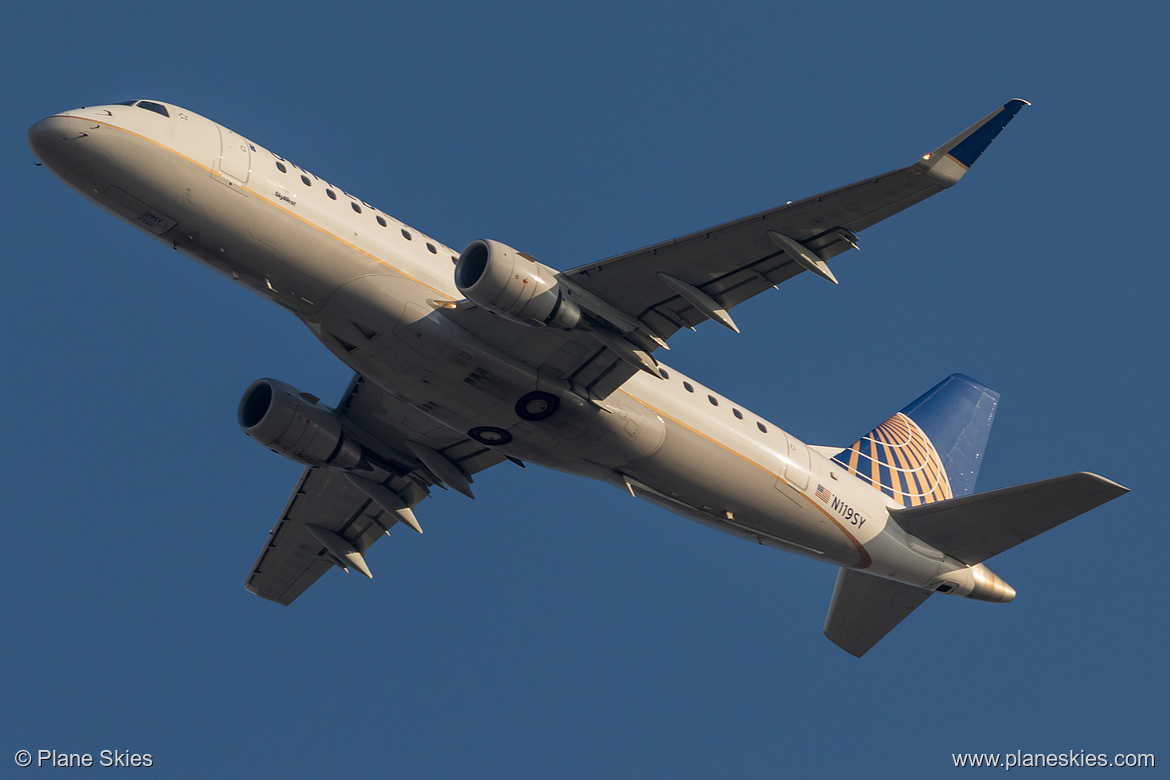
(340, 548)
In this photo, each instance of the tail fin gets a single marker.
(927, 456)
(931, 450)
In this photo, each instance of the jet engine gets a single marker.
(515, 286)
(296, 425)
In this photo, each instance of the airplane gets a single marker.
(464, 360)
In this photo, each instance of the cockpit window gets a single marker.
(155, 107)
(126, 103)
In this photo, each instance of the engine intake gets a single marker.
(296, 425)
(515, 286)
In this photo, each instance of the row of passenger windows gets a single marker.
(713, 400)
(280, 166)
(158, 108)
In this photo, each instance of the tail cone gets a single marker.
(990, 587)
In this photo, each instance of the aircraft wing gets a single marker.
(330, 521)
(735, 261)
(683, 282)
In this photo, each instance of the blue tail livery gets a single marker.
(931, 450)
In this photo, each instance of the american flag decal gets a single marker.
(823, 493)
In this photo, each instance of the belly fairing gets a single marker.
(383, 326)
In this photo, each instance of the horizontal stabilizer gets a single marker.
(865, 608)
(974, 528)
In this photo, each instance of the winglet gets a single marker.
(949, 162)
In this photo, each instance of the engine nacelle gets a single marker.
(502, 280)
(296, 425)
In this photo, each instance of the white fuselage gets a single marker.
(366, 285)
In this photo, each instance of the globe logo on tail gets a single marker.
(899, 459)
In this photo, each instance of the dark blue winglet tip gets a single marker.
(968, 150)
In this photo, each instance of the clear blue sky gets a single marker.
(554, 627)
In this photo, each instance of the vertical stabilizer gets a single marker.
(931, 450)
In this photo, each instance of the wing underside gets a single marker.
(294, 557)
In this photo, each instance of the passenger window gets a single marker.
(738, 414)
(155, 107)
(280, 167)
(663, 372)
(714, 401)
(760, 425)
(332, 195)
(305, 179)
(356, 207)
(432, 249)
(381, 221)
(406, 235)
(689, 388)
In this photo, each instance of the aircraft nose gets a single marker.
(46, 132)
(51, 137)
